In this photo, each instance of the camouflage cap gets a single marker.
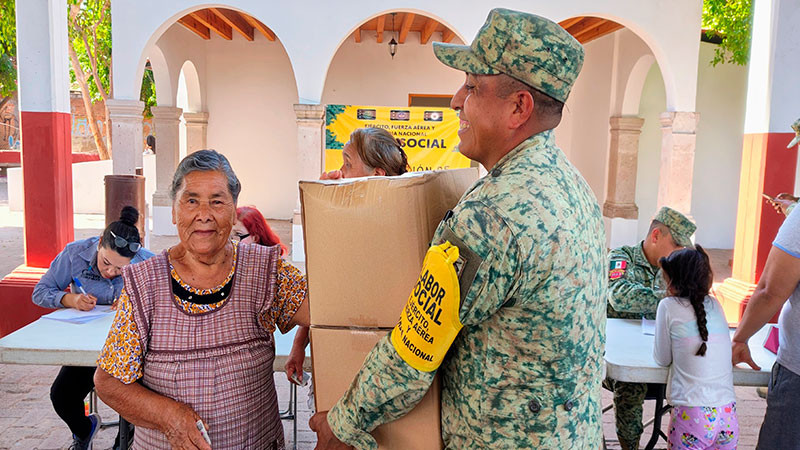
(527, 47)
(679, 225)
(796, 128)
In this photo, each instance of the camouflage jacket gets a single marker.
(525, 370)
(634, 286)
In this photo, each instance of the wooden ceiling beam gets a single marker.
(235, 20)
(565, 24)
(604, 29)
(379, 29)
(209, 19)
(427, 31)
(263, 29)
(405, 28)
(585, 25)
(448, 35)
(196, 27)
(357, 34)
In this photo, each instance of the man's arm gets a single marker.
(387, 387)
(778, 281)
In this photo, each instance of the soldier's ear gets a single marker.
(655, 234)
(523, 108)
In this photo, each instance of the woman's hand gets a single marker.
(180, 428)
(82, 302)
(294, 364)
(332, 175)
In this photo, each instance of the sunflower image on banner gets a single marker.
(428, 135)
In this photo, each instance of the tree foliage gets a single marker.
(8, 50)
(89, 27)
(148, 93)
(90, 37)
(732, 21)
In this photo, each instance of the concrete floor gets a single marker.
(27, 420)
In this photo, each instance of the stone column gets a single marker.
(768, 167)
(678, 141)
(310, 122)
(126, 134)
(42, 65)
(166, 121)
(196, 131)
(620, 205)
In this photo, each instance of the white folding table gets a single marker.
(629, 357)
(56, 343)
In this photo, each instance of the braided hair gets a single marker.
(690, 276)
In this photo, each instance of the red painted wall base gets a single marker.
(47, 183)
(15, 299)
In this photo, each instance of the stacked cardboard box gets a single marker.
(365, 240)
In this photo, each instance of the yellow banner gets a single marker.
(428, 135)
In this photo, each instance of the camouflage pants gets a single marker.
(628, 408)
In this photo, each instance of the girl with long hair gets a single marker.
(692, 338)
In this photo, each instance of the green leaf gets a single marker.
(733, 21)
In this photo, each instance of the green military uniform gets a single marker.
(634, 289)
(525, 369)
(634, 285)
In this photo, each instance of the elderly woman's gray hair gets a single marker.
(205, 160)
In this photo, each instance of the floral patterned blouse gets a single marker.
(122, 354)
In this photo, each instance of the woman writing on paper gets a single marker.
(91, 268)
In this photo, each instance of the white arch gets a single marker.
(171, 20)
(194, 99)
(378, 14)
(653, 44)
(670, 31)
(634, 84)
(165, 89)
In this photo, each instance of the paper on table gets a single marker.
(648, 327)
(72, 315)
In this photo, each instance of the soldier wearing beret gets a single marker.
(634, 290)
(522, 366)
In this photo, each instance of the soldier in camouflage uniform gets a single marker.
(635, 287)
(525, 369)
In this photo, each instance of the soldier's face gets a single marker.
(665, 243)
(481, 117)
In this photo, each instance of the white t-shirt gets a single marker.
(694, 380)
(788, 240)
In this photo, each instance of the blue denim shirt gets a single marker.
(79, 260)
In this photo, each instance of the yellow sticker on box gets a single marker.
(430, 321)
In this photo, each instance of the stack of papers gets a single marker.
(648, 327)
(71, 315)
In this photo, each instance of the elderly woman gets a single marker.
(195, 326)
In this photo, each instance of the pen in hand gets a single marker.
(79, 285)
(84, 301)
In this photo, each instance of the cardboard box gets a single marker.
(338, 355)
(365, 240)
